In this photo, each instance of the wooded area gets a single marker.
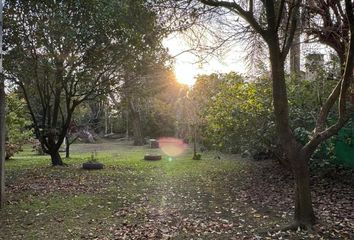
(97, 73)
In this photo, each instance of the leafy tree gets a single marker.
(240, 117)
(238, 114)
(160, 110)
(2, 118)
(17, 123)
(275, 21)
(2, 138)
(63, 53)
(140, 86)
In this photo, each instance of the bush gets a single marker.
(17, 123)
(11, 149)
(240, 117)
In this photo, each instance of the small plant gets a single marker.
(93, 158)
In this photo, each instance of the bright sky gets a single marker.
(186, 68)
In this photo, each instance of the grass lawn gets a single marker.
(174, 198)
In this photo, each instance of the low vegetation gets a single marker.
(219, 197)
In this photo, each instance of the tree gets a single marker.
(276, 22)
(18, 124)
(64, 53)
(239, 116)
(2, 117)
(145, 79)
(140, 95)
(160, 116)
(2, 141)
(193, 119)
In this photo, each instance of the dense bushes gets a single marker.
(240, 117)
(238, 112)
(17, 123)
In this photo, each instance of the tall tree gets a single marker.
(62, 53)
(2, 141)
(2, 118)
(295, 50)
(143, 79)
(138, 90)
(276, 21)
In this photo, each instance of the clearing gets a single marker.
(175, 198)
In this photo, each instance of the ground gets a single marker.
(175, 198)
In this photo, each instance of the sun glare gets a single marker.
(172, 147)
(185, 74)
(187, 68)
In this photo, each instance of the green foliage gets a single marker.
(238, 112)
(159, 119)
(17, 123)
(305, 100)
(239, 117)
(64, 53)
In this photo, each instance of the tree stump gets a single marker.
(152, 157)
(92, 165)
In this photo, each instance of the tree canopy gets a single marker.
(62, 53)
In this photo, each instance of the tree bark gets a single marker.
(127, 125)
(136, 124)
(295, 51)
(2, 120)
(56, 158)
(67, 147)
(295, 56)
(2, 142)
(194, 142)
(304, 214)
(138, 136)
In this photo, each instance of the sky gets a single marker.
(187, 68)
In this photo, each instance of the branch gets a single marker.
(294, 12)
(344, 116)
(280, 13)
(326, 107)
(233, 6)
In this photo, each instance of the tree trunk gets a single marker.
(295, 56)
(304, 214)
(67, 147)
(194, 142)
(56, 158)
(2, 142)
(136, 124)
(105, 120)
(2, 120)
(295, 51)
(138, 136)
(127, 125)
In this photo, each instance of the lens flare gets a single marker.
(172, 146)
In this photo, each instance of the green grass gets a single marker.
(175, 198)
(47, 202)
